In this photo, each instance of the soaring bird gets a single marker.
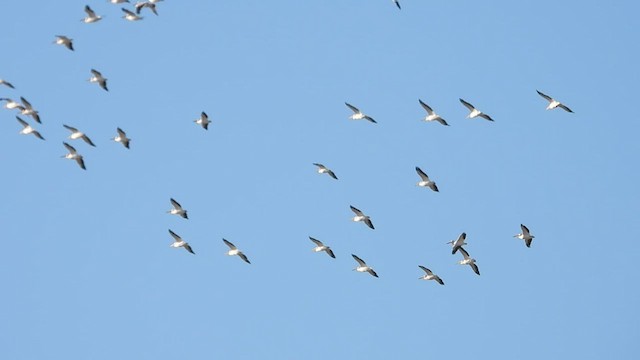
(122, 138)
(98, 78)
(177, 209)
(178, 242)
(431, 115)
(325, 170)
(322, 247)
(358, 115)
(475, 112)
(233, 250)
(468, 261)
(27, 129)
(11, 104)
(554, 103)
(130, 15)
(77, 134)
(397, 4)
(362, 266)
(430, 275)
(6, 83)
(360, 216)
(151, 5)
(458, 243)
(28, 110)
(525, 235)
(73, 155)
(91, 15)
(63, 40)
(425, 181)
(203, 120)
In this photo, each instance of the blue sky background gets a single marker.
(87, 271)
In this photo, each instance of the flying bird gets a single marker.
(468, 261)
(475, 112)
(554, 103)
(10, 103)
(458, 243)
(234, 251)
(203, 120)
(178, 242)
(431, 115)
(27, 129)
(77, 134)
(118, 1)
(325, 170)
(63, 40)
(358, 115)
(426, 182)
(322, 247)
(362, 266)
(122, 138)
(73, 155)
(28, 110)
(429, 275)
(177, 209)
(397, 4)
(6, 83)
(91, 15)
(361, 217)
(98, 78)
(151, 5)
(130, 15)
(525, 235)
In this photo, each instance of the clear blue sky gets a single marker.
(87, 271)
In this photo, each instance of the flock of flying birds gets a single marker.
(26, 109)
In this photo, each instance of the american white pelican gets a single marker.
(6, 83)
(426, 182)
(122, 138)
(63, 40)
(178, 242)
(358, 115)
(27, 129)
(151, 5)
(10, 103)
(525, 235)
(362, 266)
(28, 110)
(73, 155)
(98, 78)
(360, 216)
(177, 209)
(430, 275)
(91, 15)
(203, 120)
(431, 115)
(118, 1)
(458, 243)
(130, 15)
(322, 247)
(468, 261)
(554, 103)
(77, 134)
(325, 170)
(234, 251)
(475, 112)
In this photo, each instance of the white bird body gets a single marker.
(525, 235)
(91, 16)
(65, 41)
(28, 110)
(234, 251)
(122, 138)
(431, 115)
(322, 247)
(99, 79)
(179, 243)
(27, 129)
(10, 103)
(358, 115)
(429, 275)
(468, 260)
(325, 170)
(131, 16)
(553, 103)
(363, 267)
(203, 120)
(458, 243)
(361, 217)
(77, 134)
(73, 155)
(177, 209)
(425, 181)
(475, 112)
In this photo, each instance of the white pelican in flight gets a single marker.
(203, 120)
(431, 115)
(468, 261)
(98, 78)
(122, 138)
(360, 216)
(234, 251)
(178, 242)
(10, 103)
(130, 15)
(91, 15)
(77, 134)
(28, 110)
(73, 155)
(6, 83)
(151, 4)
(63, 40)
(325, 170)
(554, 103)
(525, 235)
(177, 209)
(429, 275)
(322, 247)
(475, 112)
(458, 243)
(27, 129)
(425, 181)
(358, 115)
(362, 266)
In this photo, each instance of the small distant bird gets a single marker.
(458, 243)
(27, 129)
(397, 4)
(10, 103)
(426, 182)
(362, 266)
(475, 112)
(468, 261)
(525, 235)
(122, 138)
(77, 134)
(178, 242)
(325, 170)
(360, 216)
(234, 251)
(91, 15)
(118, 1)
(177, 209)
(130, 15)
(203, 120)
(73, 155)
(28, 110)
(98, 78)
(554, 103)
(430, 275)
(431, 115)
(358, 115)
(151, 5)
(63, 40)
(6, 83)
(322, 247)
